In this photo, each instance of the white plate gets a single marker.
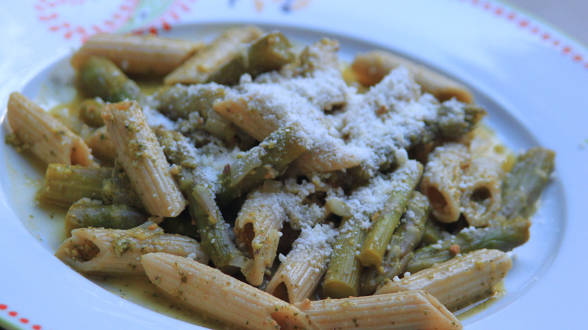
(531, 79)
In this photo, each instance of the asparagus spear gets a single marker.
(100, 77)
(180, 100)
(200, 193)
(66, 184)
(524, 184)
(93, 213)
(407, 177)
(192, 105)
(342, 276)
(454, 122)
(91, 112)
(502, 236)
(266, 161)
(180, 225)
(433, 233)
(268, 53)
(404, 240)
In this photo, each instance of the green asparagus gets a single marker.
(200, 193)
(501, 236)
(100, 77)
(266, 161)
(192, 106)
(525, 182)
(91, 112)
(93, 213)
(433, 233)
(268, 53)
(180, 225)
(406, 178)
(404, 240)
(342, 277)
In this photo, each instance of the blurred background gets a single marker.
(569, 16)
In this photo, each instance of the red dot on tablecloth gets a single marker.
(24, 320)
(12, 313)
(3, 307)
(36, 327)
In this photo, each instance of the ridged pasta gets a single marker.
(221, 296)
(142, 158)
(46, 137)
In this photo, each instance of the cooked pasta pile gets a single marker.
(271, 186)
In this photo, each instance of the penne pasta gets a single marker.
(442, 179)
(200, 67)
(137, 54)
(371, 67)
(45, 136)
(118, 251)
(401, 310)
(260, 110)
(209, 291)
(300, 272)
(458, 282)
(481, 196)
(101, 144)
(257, 228)
(142, 158)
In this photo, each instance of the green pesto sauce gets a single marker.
(139, 290)
(480, 306)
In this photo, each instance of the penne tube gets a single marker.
(260, 110)
(101, 144)
(137, 54)
(458, 282)
(300, 273)
(221, 296)
(45, 136)
(442, 179)
(401, 310)
(200, 67)
(142, 158)
(481, 196)
(118, 251)
(371, 67)
(257, 228)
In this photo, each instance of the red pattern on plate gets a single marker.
(526, 24)
(14, 314)
(49, 12)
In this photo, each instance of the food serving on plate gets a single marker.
(270, 185)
